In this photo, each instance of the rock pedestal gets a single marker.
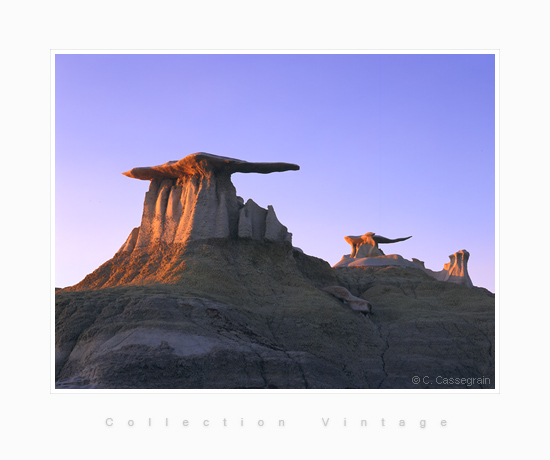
(367, 245)
(194, 199)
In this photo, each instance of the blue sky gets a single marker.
(394, 144)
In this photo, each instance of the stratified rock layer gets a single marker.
(249, 314)
(206, 164)
(343, 294)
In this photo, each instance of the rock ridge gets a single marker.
(246, 314)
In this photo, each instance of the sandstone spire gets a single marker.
(454, 271)
(194, 198)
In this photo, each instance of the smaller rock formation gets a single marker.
(130, 243)
(260, 224)
(367, 245)
(355, 303)
(365, 253)
(456, 271)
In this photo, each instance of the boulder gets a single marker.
(355, 303)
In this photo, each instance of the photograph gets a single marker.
(274, 230)
(274, 221)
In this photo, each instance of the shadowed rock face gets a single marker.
(249, 314)
(343, 294)
(194, 199)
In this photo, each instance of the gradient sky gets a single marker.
(394, 144)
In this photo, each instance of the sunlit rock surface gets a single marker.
(194, 199)
(455, 271)
(366, 253)
(206, 164)
(367, 245)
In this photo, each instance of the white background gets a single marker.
(36, 423)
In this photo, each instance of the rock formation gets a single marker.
(365, 253)
(378, 261)
(367, 245)
(194, 199)
(355, 303)
(456, 271)
(209, 293)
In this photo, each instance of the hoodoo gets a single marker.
(194, 199)
(367, 245)
(366, 253)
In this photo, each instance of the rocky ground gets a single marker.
(245, 314)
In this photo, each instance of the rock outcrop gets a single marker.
(375, 261)
(194, 199)
(250, 314)
(367, 245)
(365, 253)
(455, 271)
(260, 224)
(355, 303)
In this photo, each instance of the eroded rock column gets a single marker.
(194, 199)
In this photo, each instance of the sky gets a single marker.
(396, 144)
